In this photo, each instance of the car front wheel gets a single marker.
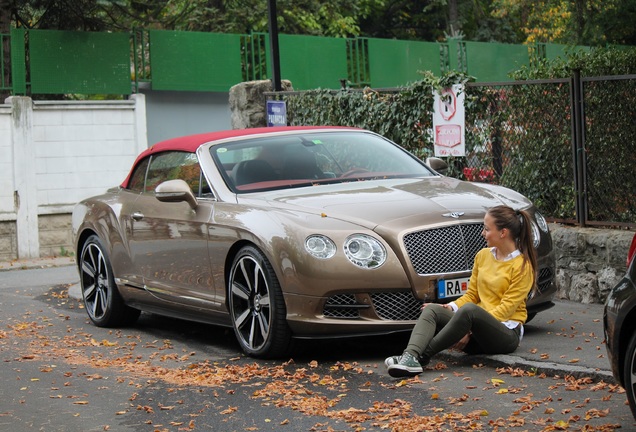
(102, 301)
(629, 374)
(257, 307)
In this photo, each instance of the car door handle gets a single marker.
(137, 216)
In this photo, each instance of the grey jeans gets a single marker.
(439, 328)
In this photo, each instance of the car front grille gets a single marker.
(397, 306)
(444, 250)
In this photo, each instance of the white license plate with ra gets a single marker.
(451, 288)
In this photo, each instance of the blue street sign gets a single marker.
(276, 113)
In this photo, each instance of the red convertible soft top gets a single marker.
(191, 143)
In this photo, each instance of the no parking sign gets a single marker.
(448, 122)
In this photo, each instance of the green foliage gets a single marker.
(403, 115)
(595, 62)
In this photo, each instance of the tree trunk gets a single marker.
(579, 21)
(453, 18)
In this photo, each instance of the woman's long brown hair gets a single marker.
(517, 222)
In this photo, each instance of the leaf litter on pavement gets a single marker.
(318, 390)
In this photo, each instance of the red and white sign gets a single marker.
(448, 122)
(447, 104)
(448, 135)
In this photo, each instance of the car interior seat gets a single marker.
(301, 164)
(253, 171)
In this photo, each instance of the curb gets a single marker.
(36, 263)
(548, 368)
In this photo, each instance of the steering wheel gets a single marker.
(353, 171)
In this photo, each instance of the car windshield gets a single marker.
(283, 161)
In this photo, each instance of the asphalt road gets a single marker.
(61, 373)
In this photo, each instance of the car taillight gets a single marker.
(632, 251)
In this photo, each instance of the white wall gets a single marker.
(83, 149)
(54, 154)
(7, 210)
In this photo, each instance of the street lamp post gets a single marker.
(273, 44)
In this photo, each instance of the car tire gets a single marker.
(530, 317)
(257, 307)
(629, 374)
(102, 300)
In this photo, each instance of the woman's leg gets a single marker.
(432, 319)
(491, 336)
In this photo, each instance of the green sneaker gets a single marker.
(391, 360)
(407, 366)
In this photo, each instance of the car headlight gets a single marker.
(364, 251)
(320, 246)
(536, 235)
(543, 225)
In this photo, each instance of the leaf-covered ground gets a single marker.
(170, 386)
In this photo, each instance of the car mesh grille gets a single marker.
(341, 306)
(444, 250)
(544, 279)
(397, 306)
(394, 306)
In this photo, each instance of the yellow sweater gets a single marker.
(500, 287)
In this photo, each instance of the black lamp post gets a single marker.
(273, 44)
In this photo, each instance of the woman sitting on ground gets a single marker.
(489, 318)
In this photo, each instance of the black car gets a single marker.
(619, 322)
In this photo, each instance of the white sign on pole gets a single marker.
(448, 122)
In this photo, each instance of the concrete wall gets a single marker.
(54, 154)
(171, 114)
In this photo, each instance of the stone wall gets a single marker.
(56, 237)
(589, 261)
(247, 103)
(8, 241)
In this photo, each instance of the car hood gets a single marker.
(395, 202)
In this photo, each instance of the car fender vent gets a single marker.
(343, 306)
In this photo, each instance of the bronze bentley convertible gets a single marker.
(283, 233)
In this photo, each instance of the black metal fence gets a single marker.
(567, 144)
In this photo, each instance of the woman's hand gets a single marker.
(461, 344)
(445, 306)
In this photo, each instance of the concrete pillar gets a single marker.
(141, 129)
(25, 193)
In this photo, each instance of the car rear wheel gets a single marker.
(102, 301)
(629, 374)
(257, 307)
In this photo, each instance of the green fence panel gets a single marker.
(395, 63)
(494, 62)
(553, 51)
(194, 61)
(311, 62)
(79, 62)
(18, 62)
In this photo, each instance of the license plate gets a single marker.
(450, 288)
